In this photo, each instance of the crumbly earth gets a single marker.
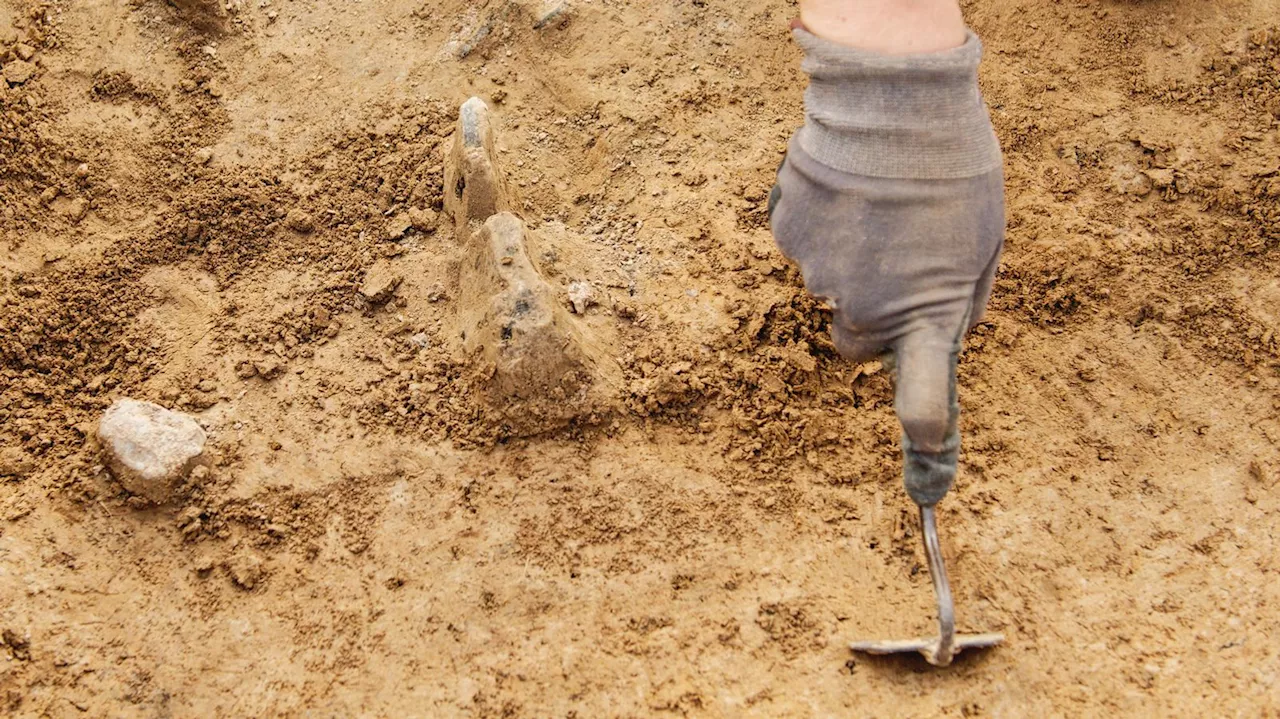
(192, 196)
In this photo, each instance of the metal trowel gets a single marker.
(939, 650)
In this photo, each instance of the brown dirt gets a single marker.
(190, 201)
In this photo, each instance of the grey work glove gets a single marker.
(891, 201)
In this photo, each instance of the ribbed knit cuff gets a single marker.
(903, 116)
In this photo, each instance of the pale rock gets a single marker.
(423, 220)
(1160, 177)
(149, 448)
(268, 368)
(552, 13)
(581, 296)
(77, 209)
(247, 570)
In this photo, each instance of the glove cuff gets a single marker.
(901, 116)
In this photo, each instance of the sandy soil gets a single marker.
(374, 538)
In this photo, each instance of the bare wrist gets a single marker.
(891, 27)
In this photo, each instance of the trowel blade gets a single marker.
(927, 645)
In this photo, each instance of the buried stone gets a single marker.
(510, 315)
(474, 186)
(545, 369)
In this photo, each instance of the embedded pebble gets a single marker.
(77, 209)
(581, 296)
(423, 220)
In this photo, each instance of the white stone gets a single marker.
(581, 296)
(148, 447)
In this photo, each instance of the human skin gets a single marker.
(892, 27)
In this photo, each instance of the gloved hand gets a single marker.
(891, 201)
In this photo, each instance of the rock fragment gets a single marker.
(268, 368)
(149, 448)
(474, 187)
(477, 37)
(1127, 180)
(581, 296)
(380, 283)
(18, 72)
(77, 209)
(1160, 177)
(552, 13)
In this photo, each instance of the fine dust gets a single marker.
(237, 211)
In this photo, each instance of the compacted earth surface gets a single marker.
(238, 211)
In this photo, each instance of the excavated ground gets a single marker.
(207, 208)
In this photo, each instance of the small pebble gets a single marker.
(581, 296)
(423, 220)
(247, 570)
